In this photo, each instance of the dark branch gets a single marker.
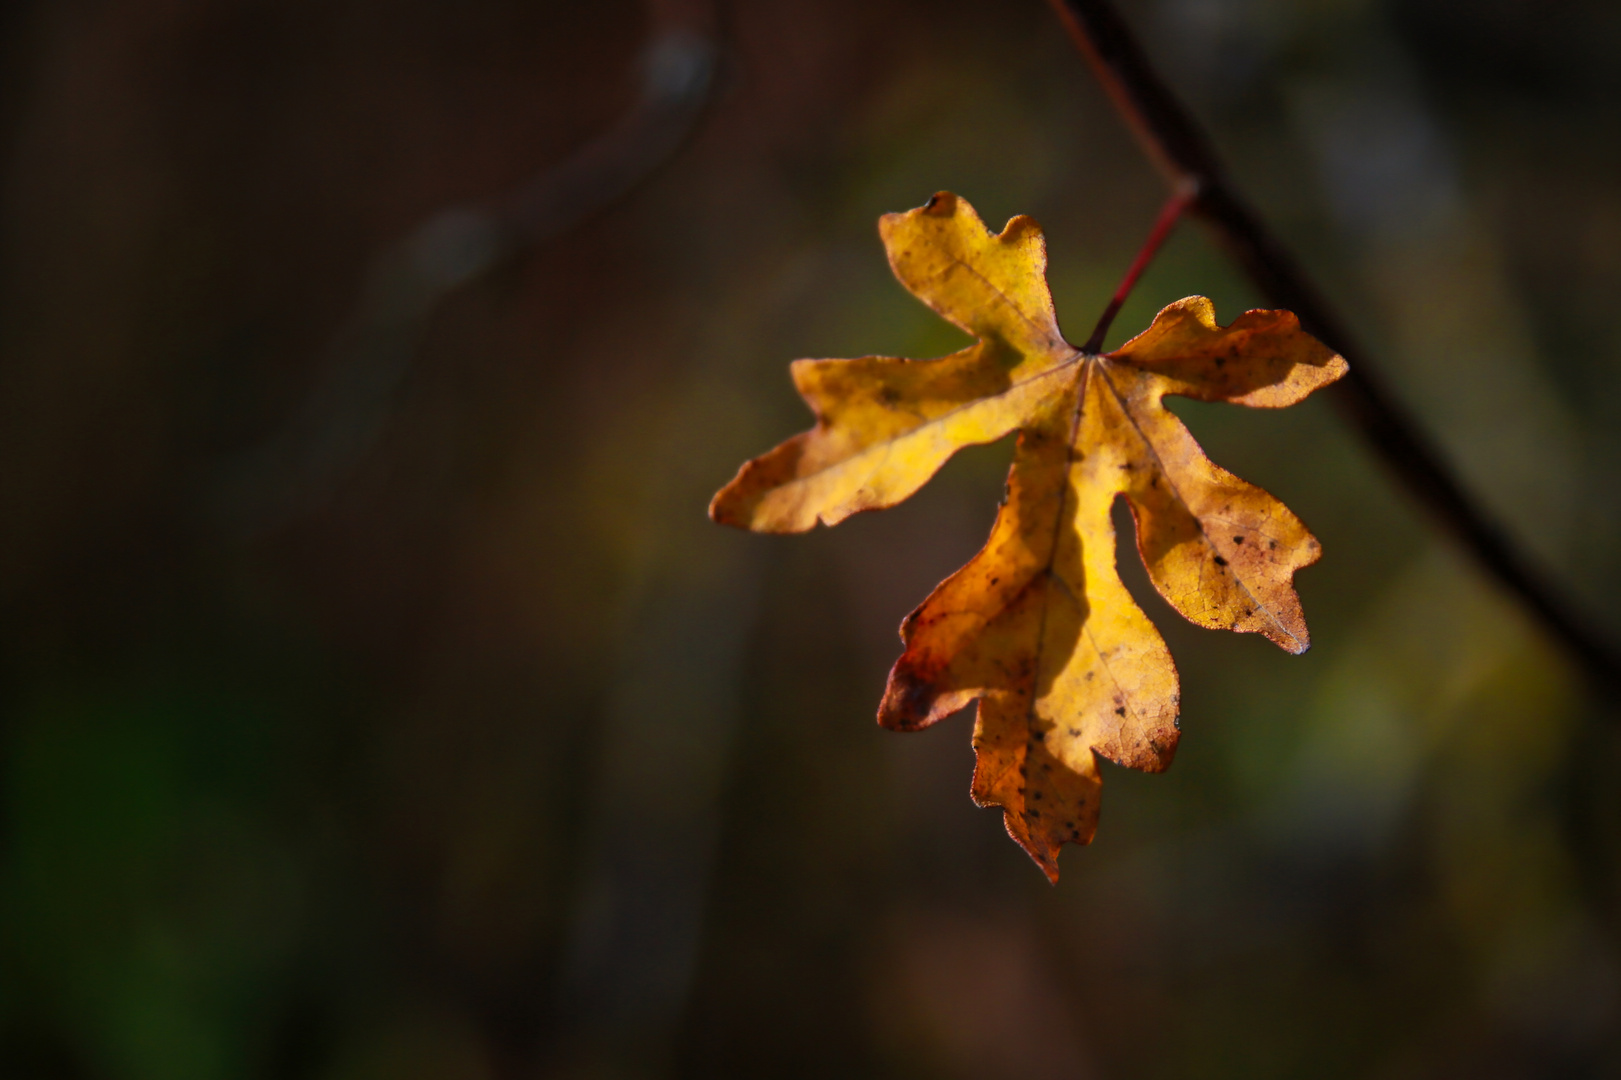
(1180, 148)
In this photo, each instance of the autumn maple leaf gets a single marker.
(1037, 627)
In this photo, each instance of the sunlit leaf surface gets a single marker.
(1038, 627)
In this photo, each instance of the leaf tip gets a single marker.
(1044, 856)
(913, 698)
(732, 504)
(942, 204)
(717, 509)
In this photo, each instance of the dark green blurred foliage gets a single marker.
(482, 754)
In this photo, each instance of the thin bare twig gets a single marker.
(1169, 215)
(1181, 150)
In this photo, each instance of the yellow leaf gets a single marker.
(1038, 627)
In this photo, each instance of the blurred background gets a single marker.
(377, 702)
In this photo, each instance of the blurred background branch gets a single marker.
(369, 360)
